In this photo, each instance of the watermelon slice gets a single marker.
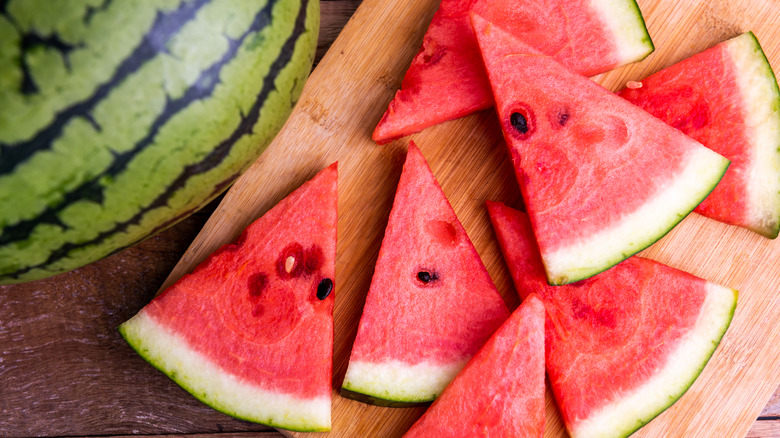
(446, 79)
(601, 178)
(250, 331)
(431, 304)
(727, 98)
(621, 346)
(500, 392)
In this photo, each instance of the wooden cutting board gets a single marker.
(345, 97)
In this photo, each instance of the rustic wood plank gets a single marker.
(334, 14)
(765, 429)
(772, 408)
(268, 434)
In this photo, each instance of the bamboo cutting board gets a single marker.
(342, 102)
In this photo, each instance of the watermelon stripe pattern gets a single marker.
(165, 26)
(117, 172)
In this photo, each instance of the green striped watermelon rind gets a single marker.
(685, 364)
(107, 141)
(758, 85)
(226, 393)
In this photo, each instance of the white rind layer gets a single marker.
(224, 392)
(637, 230)
(625, 20)
(761, 101)
(685, 363)
(401, 382)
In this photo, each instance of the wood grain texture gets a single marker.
(772, 408)
(346, 96)
(65, 371)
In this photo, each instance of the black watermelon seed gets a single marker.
(324, 288)
(427, 277)
(519, 122)
(563, 118)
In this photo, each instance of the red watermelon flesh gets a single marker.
(623, 345)
(446, 80)
(500, 392)
(601, 178)
(431, 303)
(250, 330)
(727, 98)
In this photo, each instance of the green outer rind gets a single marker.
(560, 277)
(628, 428)
(768, 89)
(170, 355)
(193, 157)
(631, 35)
(377, 401)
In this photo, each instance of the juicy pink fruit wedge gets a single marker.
(727, 98)
(500, 392)
(446, 79)
(431, 303)
(250, 331)
(623, 345)
(601, 178)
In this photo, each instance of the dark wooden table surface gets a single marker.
(66, 372)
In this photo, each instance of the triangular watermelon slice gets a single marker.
(727, 98)
(446, 79)
(601, 178)
(431, 304)
(621, 346)
(250, 331)
(500, 392)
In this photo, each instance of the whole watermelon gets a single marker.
(120, 118)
